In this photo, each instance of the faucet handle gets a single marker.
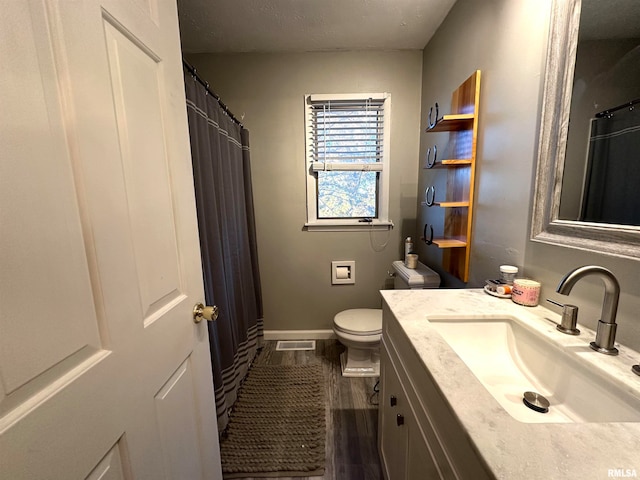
(569, 320)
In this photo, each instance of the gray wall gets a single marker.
(506, 40)
(548, 264)
(268, 90)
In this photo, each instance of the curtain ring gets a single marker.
(429, 195)
(431, 163)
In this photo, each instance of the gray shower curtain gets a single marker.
(613, 169)
(224, 200)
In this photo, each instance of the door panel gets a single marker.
(110, 467)
(44, 287)
(103, 373)
(136, 82)
(181, 454)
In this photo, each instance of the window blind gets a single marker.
(346, 135)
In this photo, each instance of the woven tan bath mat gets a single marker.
(277, 427)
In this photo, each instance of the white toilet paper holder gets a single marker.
(343, 272)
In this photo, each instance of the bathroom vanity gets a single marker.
(442, 416)
(419, 436)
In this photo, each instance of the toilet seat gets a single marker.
(359, 321)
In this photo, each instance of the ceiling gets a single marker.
(225, 26)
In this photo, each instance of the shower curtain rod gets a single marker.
(192, 70)
(619, 107)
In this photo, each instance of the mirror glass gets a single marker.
(602, 161)
(577, 203)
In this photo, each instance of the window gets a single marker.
(347, 162)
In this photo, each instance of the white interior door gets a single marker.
(103, 373)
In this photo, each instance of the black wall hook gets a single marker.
(433, 123)
(431, 162)
(428, 241)
(429, 195)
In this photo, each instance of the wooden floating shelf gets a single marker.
(451, 163)
(445, 204)
(453, 123)
(456, 237)
(450, 242)
(456, 162)
(451, 204)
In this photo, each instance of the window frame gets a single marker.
(335, 224)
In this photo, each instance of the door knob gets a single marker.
(201, 312)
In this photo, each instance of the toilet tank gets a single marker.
(414, 278)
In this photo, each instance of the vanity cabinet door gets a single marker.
(420, 463)
(404, 451)
(392, 422)
(436, 446)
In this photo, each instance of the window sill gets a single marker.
(347, 226)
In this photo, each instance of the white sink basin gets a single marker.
(509, 359)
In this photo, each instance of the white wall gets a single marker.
(268, 90)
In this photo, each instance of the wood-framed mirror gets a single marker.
(548, 224)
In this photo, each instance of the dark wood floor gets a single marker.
(352, 413)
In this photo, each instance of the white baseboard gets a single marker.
(299, 335)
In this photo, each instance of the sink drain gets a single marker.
(536, 402)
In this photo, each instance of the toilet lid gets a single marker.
(359, 321)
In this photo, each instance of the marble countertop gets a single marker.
(512, 449)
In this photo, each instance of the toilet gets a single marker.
(360, 329)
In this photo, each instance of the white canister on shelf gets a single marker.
(508, 273)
